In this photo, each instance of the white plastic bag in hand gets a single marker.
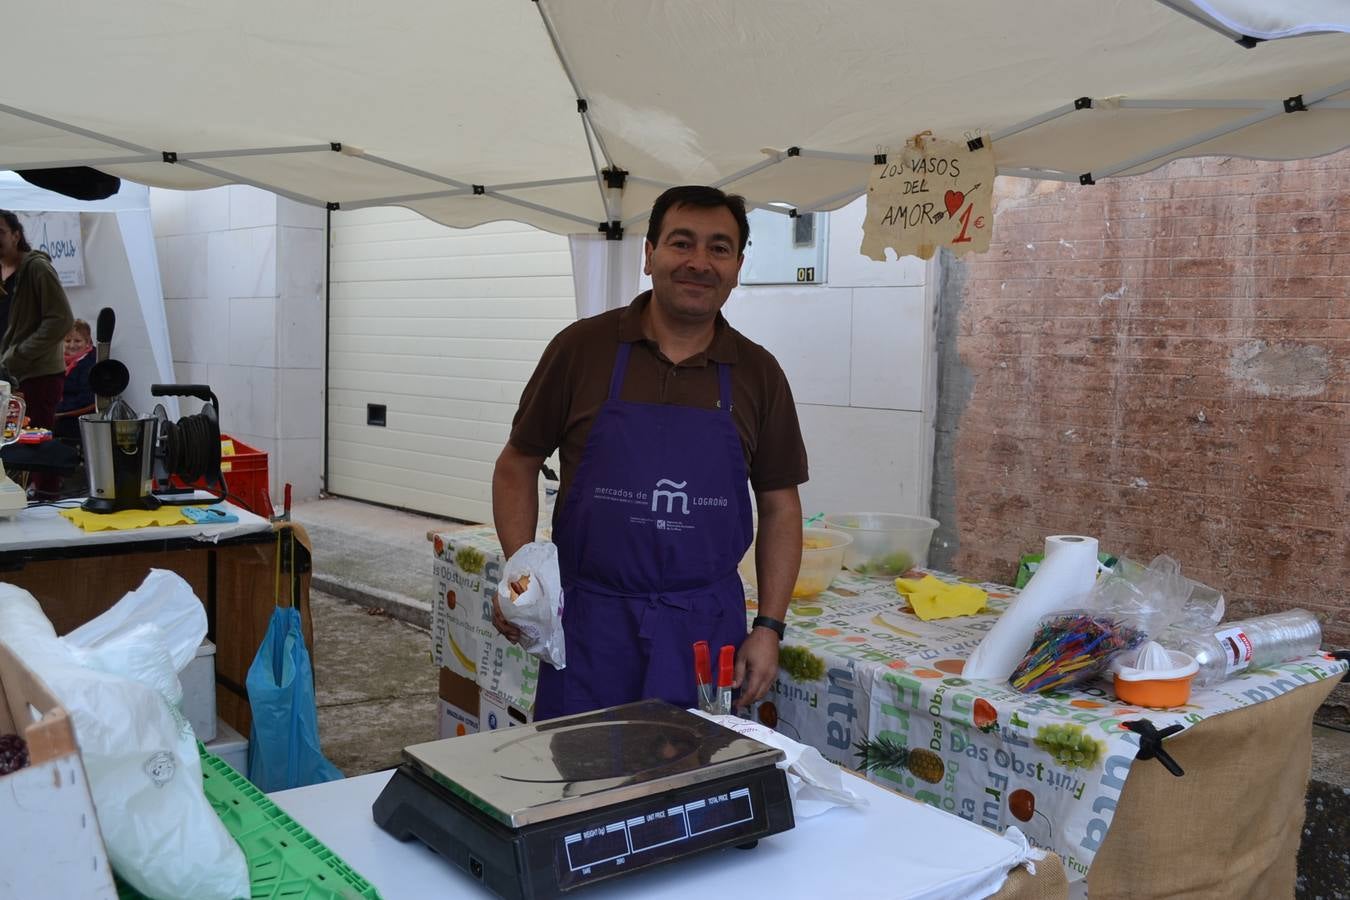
(538, 611)
(139, 752)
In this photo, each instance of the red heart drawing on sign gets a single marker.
(953, 199)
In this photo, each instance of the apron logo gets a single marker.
(670, 496)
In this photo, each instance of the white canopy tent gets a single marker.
(571, 115)
(121, 272)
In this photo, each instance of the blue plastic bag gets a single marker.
(283, 744)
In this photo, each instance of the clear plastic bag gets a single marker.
(1124, 608)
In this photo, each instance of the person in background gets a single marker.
(77, 397)
(664, 417)
(37, 318)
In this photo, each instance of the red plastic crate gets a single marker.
(246, 477)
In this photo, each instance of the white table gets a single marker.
(43, 527)
(894, 848)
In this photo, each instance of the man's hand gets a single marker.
(504, 628)
(756, 666)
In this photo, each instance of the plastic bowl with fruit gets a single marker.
(885, 545)
(822, 559)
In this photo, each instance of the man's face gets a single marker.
(696, 261)
(75, 343)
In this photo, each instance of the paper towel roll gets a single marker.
(1065, 575)
(1076, 543)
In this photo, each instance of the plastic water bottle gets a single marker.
(1262, 641)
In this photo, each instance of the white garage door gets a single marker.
(433, 330)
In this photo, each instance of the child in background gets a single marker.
(77, 397)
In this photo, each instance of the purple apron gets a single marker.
(654, 524)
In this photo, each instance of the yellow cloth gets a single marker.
(933, 598)
(126, 519)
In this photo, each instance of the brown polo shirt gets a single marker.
(564, 394)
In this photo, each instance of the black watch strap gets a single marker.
(767, 622)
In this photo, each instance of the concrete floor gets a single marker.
(374, 684)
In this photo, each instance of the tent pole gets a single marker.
(1305, 102)
(92, 163)
(403, 199)
(259, 151)
(1080, 103)
(582, 104)
(231, 178)
(590, 223)
(75, 129)
(410, 170)
(850, 195)
(749, 170)
(1040, 175)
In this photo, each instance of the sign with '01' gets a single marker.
(935, 194)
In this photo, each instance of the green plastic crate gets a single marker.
(285, 862)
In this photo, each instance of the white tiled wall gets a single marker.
(857, 352)
(243, 275)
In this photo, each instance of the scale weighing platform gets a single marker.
(539, 810)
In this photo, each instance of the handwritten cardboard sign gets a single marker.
(935, 194)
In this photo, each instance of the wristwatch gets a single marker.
(773, 624)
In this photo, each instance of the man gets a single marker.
(37, 317)
(660, 411)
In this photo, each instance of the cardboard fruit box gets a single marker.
(50, 845)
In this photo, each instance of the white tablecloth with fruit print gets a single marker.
(856, 664)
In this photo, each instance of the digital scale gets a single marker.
(543, 809)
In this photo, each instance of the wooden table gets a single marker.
(76, 575)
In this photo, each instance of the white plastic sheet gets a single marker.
(139, 752)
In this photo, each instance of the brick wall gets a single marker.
(1161, 361)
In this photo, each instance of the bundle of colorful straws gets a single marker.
(1070, 648)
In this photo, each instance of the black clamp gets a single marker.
(479, 189)
(975, 144)
(582, 106)
(613, 231)
(878, 159)
(615, 178)
(792, 213)
(335, 146)
(1247, 42)
(333, 207)
(1082, 103)
(794, 151)
(1295, 104)
(1151, 743)
(170, 156)
(1086, 178)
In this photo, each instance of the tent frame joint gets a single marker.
(612, 230)
(1295, 104)
(615, 178)
(1082, 103)
(1086, 178)
(479, 189)
(169, 157)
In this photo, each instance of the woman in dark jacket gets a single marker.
(37, 318)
